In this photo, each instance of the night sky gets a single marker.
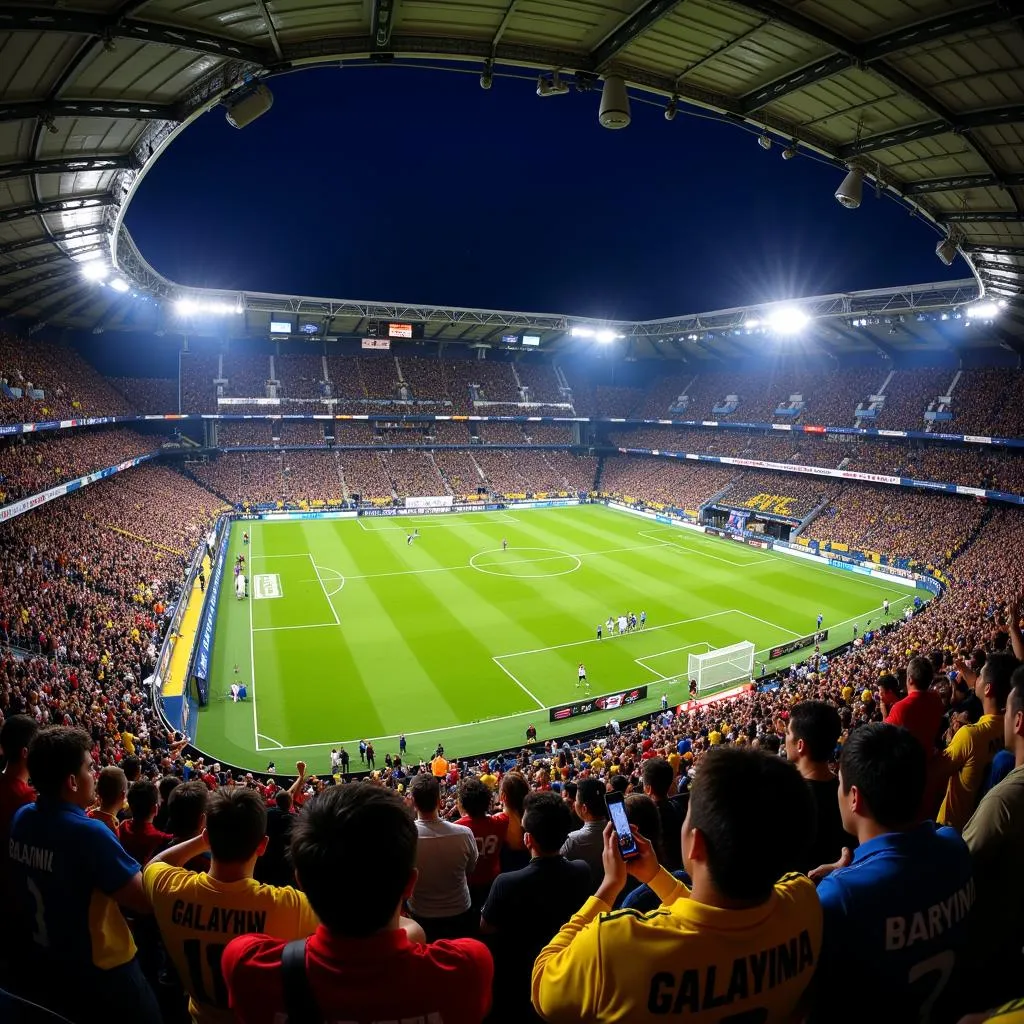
(413, 185)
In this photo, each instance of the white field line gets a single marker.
(252, 653)
(311, 625)
(327, 598)
(528, 693)
(774, 625)
(649, 534)
(269, 739)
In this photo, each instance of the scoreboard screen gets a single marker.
(394, 329)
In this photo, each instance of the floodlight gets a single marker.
(244, 107)
(849, 192)
(95, 270)
(553, 86)
(119, 284)
(1001, 303)
(487, 77)
(186, 307)
(671, 110)
(614, 103)
(788, 320)
(764, 141)
(983, 311)
(605, 336)
(582, 332)
(752, 323)
(789, 152)
(946, 250)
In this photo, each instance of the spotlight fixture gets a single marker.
(849, 192)
(672, 109)
(984, 311)
(789, 152)
(553, 86)
(946, 250)
(487, 77)
(764, 141)
(119, 284)
(95, 270)
(788, 320)
(246, 105)
(614, 103)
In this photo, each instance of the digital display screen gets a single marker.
(308, 328)
(280, 327)
(531, 339)
(510, 339)
(400, 330)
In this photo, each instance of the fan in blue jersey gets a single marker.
(69, 878)
(898, 907)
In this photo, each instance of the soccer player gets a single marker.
(245, 537)
(819, 620)
(581, 677)
(696, 957)
(611, 626)
(643, 619)
(623, 625)
(599, 631)
(693, 689)
(855, 631)
(504, 544)
(198, 914)
(885, 607)
(69, 877)
(354, 847)
(899, 905)
(664, 702)
(408, 539)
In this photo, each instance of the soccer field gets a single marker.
(352, 632)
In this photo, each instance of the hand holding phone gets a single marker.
(617, 815)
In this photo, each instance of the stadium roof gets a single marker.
(927, 96)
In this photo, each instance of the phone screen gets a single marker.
(627, 844)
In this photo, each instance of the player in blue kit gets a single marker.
(69, 878)
(898, 907)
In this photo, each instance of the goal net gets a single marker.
(719, 667)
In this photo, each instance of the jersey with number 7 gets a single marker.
(198, 916)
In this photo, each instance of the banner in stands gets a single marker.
(442, 501)
(609, 702)
(798, 645)
(18, 508)
(201, 672)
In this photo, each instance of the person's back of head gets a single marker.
(166, 786)
(590, 803)
(57, 757)
(658, 776)
(1013, 726)
(569, 791)
(132, 768)
(513, 792)
(812, 731)
(474, 798)
(111, 787)
(236, 823)
(283, 801)
(425, 791)
(994, 679)
(642, 811)
(354, 890)
(547, 821)
(882, 773)
(142, 800)
(754, 815)
(186, 809)
(619, 783)
(920, 673)
(16, 737)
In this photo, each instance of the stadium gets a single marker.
(499, 577)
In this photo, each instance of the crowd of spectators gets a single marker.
(787, 494)
(247, 374)
(70, 386)
(415, 473)
(30, 463)
(301, 376)
(309, 477)
(366, 474)
(198, 372)
(908, 394)
(242, 478)
(460, 470)
(501, 433)
(685, 485)
(232, 433)
(540, 381)
(149, 395)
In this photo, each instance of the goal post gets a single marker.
(719, 667)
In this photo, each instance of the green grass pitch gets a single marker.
(351, 632)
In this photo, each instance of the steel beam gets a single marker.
(990, 216)
(66, 165)
(46, 259)
(382, 23)
(649, 13)
(958, 182)
(57, 236)
(24, 109)
(90, 202)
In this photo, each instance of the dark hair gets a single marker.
(570, 790)
(997, 672)
(475, 797)
(16, 735)
(53, 755)
(771, 742)
(619, 783)
(920, 673)
(111, 784)
(642, 811)
(818, 725)
(283, 800)
(591, 794)
(889, 682)
(354, 890)
(236, 822)
(888, 767)
(186, 805)
(1015, 700)
(548, 819)
(167, 785)
(142, 798)
(425, 791)
(756, 815)
(132, 767)
(658, 775)
(514, 788)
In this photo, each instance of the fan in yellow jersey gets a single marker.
(744, 942)
(200, 913)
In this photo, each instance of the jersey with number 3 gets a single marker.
(899, 913)
(198, 916)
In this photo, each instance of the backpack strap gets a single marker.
(299, 1000)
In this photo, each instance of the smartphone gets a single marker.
(617, 813)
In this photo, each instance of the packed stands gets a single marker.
(487, 380)
(30, 463)
(425, 378)
(243, 477)
(540, 433)
(501, 433)
(414, 473)
(301, 376)
(379, 375)
(366, 474)
(247, 374)
(232, 433)
(540, 381)
(572, 473)
(908, 394)
(301, 432)
(309, 477)
(685, 485)
(989, 402)
(781, 494)
(460, 470)
(152, 395)
(509, 472)
(71, 388)
(198, 372)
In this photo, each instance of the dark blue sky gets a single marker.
(413, 185)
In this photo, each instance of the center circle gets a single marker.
(514, 564)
